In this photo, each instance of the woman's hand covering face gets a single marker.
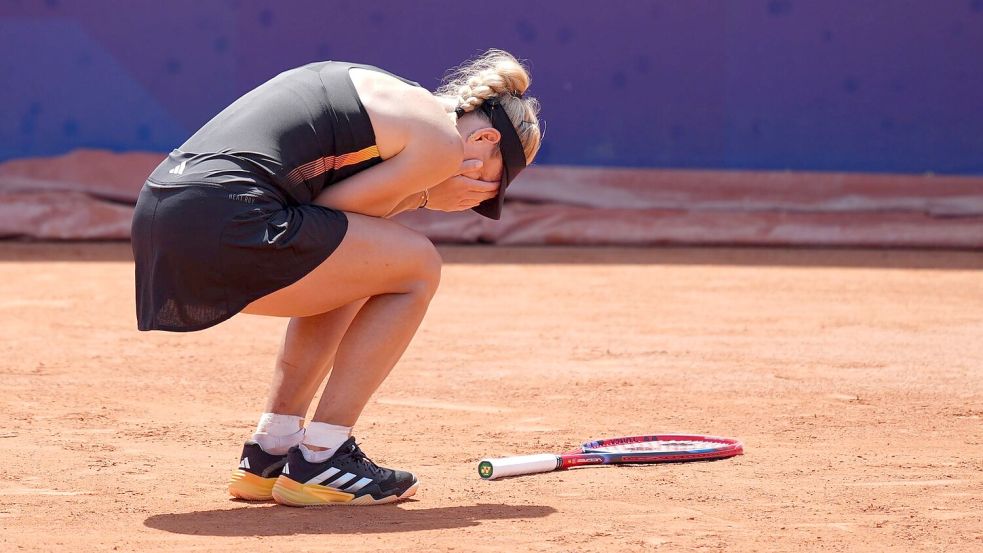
(460, 192)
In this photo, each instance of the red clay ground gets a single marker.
(855, 379)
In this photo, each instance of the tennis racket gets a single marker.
(665, 448)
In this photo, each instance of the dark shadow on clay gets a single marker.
(276, 520)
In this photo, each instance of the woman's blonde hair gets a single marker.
(497, 73)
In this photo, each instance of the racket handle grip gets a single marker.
(490, 469)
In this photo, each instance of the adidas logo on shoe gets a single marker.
(256, 474)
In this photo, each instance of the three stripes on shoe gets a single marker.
(326, 478)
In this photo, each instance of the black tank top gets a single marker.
(301, 131)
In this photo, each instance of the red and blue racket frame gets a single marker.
(655, 448)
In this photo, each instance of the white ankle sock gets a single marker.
(328, 436)
(275, 433)
(279, 425)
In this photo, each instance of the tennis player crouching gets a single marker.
(278, 206)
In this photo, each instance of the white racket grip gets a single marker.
(490, 469)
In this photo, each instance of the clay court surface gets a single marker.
(854, 378)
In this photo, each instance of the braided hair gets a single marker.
(497, 73)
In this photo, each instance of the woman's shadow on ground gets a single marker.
(275, 520)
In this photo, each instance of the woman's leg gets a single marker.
(398, 271)
(306, 355)
(368, 352)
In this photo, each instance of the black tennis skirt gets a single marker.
(204, 251)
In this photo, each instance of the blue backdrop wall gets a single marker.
(847, 85)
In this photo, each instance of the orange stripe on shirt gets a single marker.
(317, 167)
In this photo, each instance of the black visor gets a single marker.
(513, 156)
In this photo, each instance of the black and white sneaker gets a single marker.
(256, 474)
(348, 477)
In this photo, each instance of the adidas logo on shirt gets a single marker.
(179, 170)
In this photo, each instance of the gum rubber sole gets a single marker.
(294, 494)
(248, 486)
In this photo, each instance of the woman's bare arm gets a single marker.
(411, 202)
(377, 191)
(454, 194)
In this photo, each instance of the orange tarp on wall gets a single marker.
(89, 194)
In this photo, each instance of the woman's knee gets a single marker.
(408, 259)
(426, 263)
